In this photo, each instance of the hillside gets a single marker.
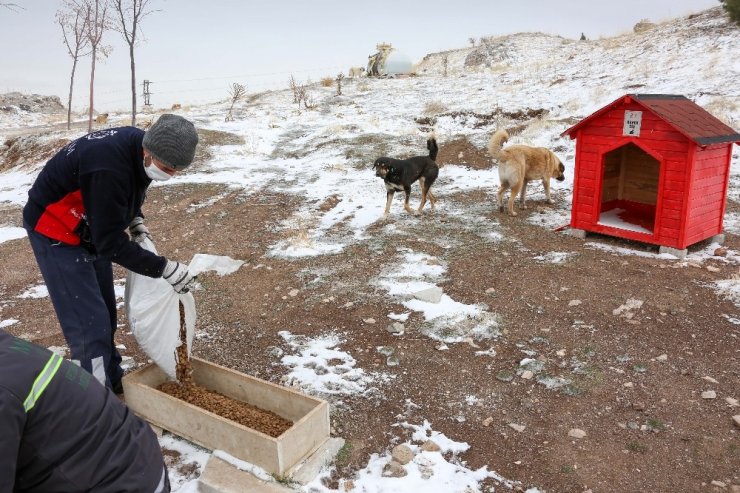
(536, 334)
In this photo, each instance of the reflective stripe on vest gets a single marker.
(39, 385)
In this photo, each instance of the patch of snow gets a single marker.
(39, 291)
(8, 233)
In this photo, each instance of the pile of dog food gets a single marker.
(187, 390)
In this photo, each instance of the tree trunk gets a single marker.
(133, 86)
(92, 85)
(69, 103)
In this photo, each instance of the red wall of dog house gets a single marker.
(680, 185)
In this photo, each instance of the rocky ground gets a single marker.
(610, 372)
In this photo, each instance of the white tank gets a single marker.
(397, 63)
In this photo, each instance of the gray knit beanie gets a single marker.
(172, 140)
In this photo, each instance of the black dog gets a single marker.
(400, 174)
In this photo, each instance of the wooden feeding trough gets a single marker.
(652, 168)
(310, 416)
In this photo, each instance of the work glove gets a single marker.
(178, 275)
(137, 230)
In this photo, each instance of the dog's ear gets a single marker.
(561, 167)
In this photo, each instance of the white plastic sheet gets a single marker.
(153, 312)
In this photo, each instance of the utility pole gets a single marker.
(147, 104)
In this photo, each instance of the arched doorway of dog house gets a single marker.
(629, 189)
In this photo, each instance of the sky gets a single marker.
(193, 54)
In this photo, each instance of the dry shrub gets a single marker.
(27, 150)
(327, 82)
(434, 108)
(724, 109)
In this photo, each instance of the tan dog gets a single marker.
(101, 118)
(520, 164)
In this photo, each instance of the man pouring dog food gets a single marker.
(82, 205)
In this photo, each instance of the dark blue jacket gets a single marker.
(76, 436)
(88, 193)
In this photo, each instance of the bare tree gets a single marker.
(237, 92)
(130, 15)
(294, 88)
(73, 19)
(95, 29)
(13, 7)
(471, 41)
(301, 95)
(340, 76)
(445, 64)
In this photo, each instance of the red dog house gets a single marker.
(652, 168)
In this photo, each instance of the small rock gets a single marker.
(628, 385)
(719, 484)
(431, 446)
(442, 347)
(293, 293)
(732, 402)
(638, 406)
(694, 264)
(576, 433)
(394, 470)
(505, 376)
(396, 328)
(574, 302)
(349, 485)
(709, 394)
(368, 320)
(490, 290)
(662, 357)
(431, 295)
(712, 268)
(561, 353)
(487, 422)
(720, 252)
(402, 454)
(710, 380)
(527, 375)
(736, 419)
(519, 428)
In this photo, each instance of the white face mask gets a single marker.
(154, 172)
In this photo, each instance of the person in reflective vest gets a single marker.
(62, 431)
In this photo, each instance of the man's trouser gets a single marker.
(81, 289)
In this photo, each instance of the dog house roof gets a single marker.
(688, 118)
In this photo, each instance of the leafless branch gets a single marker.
(237, 92)
(130, 14)
(13, 7)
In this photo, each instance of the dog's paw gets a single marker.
(512, 213)
(550, 201)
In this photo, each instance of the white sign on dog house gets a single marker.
(632, 123)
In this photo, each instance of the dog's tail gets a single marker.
(497, 142)
(432, 146)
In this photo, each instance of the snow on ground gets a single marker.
(439, 471)
(8, 233)
(319, 367)
(38, 291)
(410, 274)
